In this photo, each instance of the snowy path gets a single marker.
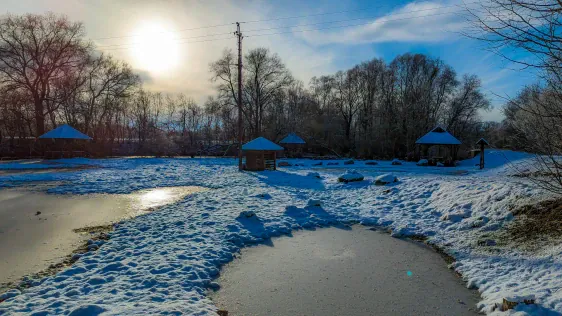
(164, 262)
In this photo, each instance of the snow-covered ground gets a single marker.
(165, 261)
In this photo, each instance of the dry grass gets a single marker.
(535, 227)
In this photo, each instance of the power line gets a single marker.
(181, 30)
(351, 25)
(187, 42)
(183, 38)
(318, 14)
(274, 19)
(127, 45)
(233, 23)
(363, 18)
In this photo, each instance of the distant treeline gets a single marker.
(51, 74)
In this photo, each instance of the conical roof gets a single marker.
(292, 138)
(438, 136)
(261, 143)
(66, 132)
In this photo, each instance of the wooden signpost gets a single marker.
(482, 142)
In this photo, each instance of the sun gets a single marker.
(155, 48)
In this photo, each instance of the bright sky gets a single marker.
(165, 42)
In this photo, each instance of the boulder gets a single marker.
(284, 164)
(396, 162)
(385, 179)
(371, 163)
(423, 162)
(349, 162)
(351, 176)
(317, 164)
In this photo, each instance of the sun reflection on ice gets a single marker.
(148, 200)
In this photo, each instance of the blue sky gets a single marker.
(368, 29)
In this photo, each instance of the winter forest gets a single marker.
(51, 74)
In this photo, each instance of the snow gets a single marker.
(423, 162)
(385, 179)
(65, 131)
(438, 136)
(351, 176)
(292, 138)
(165, 262)
(261, 143)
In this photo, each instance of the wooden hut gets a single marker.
(293, 145)
(65, 142)
(261, 154)
(446, 145)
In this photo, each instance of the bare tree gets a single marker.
(36, 52)
(532, 27)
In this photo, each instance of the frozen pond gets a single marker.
(37, 229)
(342, 272)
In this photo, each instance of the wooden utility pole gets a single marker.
(239, 35)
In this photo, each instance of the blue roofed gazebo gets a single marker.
(65, 132)
(293, 144)
(261, 154)
(65, 142)
(441, 138)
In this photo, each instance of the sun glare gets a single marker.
(155, 48)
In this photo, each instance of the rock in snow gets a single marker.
(351, 176)
(423, 162)
(385, 179)
(371, 163)
(396, 162)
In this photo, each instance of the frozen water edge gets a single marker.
(165, 261)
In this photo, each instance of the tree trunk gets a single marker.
(39, 118)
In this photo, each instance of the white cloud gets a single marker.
(414, 22)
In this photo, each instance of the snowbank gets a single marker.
(494, 158)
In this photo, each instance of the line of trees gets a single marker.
(374, 109)
(51, 74)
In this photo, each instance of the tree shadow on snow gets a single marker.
(292, 180)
